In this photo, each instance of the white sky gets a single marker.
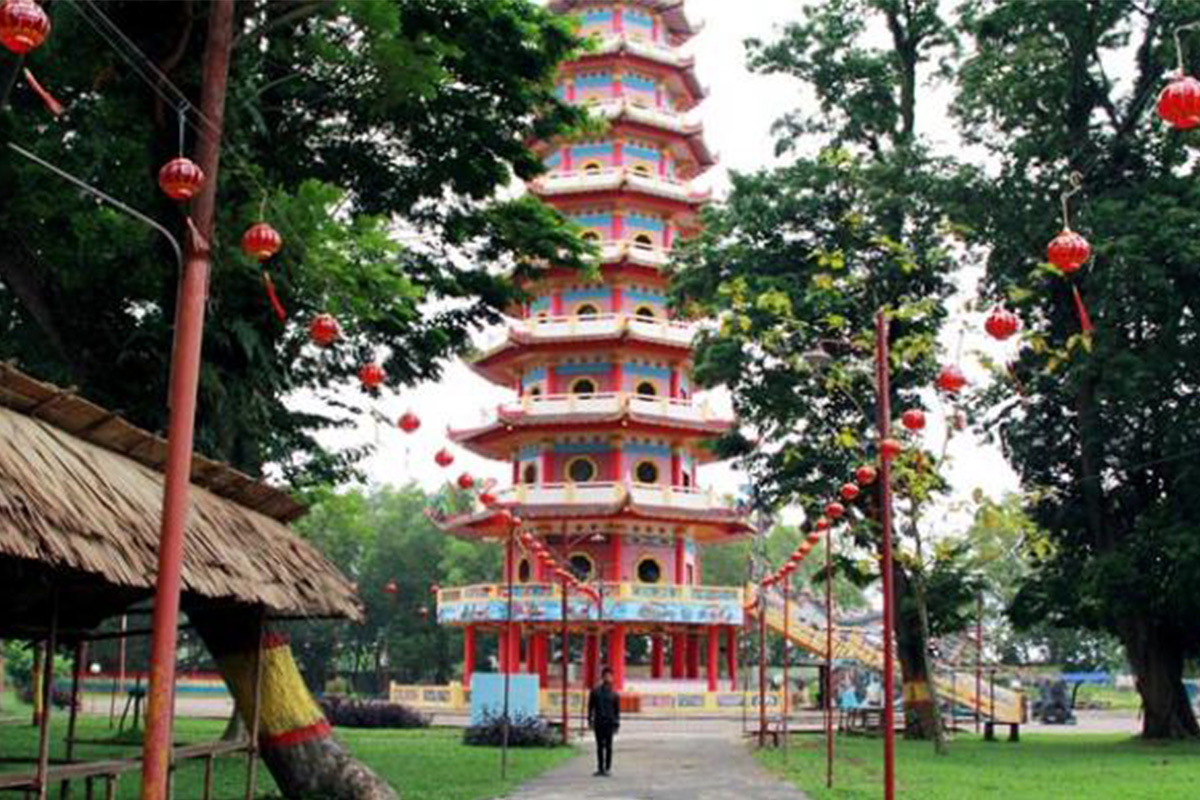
(737, 116)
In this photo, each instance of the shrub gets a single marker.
(349, 713)
(523, 731)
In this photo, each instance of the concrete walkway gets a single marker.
(656, 764)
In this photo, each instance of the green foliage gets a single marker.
(371, 134)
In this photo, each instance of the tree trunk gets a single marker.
(921, 719)
(1157, 662)
(295, 740)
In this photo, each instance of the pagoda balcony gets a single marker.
(610, 405)
(658, 52)
(663, 118)
(538, 330)
(639, 254)
(614, 179)
(650, 496)
(648, 603)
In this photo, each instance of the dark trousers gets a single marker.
(604, 747)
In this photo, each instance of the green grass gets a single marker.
(430, 764)
(1045, 767)
(1108, 697)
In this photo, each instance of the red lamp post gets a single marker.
(883, 384)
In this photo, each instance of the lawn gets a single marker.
(1046, 767)
(421, 764)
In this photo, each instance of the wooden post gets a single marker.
(47, 692)
(73, 715)
(256, 712)
(208, 777)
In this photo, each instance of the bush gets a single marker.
(523, 731)
(347, 713)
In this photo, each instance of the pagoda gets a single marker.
(605, 435)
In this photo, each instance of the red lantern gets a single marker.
(371, 376)
(890, 448)
(444, 458)
(488, 499)
(409, 422)
(805, 549)
(424, 612)
(324, 330)
(834, 510)
(391, 588)
(951, 379)
(434, 588)
(813, 538)
(1002, 323)
(180, 178)
(1068, 251)
(261, 241)
(526, 537)
(23, 25)
(822, 524)
(913, 419)
(865, 475)
(849, 492)
(1179, 103)
(796, 557)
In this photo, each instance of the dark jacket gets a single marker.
(604, 708)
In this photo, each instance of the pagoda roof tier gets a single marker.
(535, 417)
(698, 513)
(678, 68)
(666, 193)
(672, 127)
(541, 336)
(671, 11)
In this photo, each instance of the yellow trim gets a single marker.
(286, 702)
(586, 556)
(637, 569)
(576, 459)
(657, 471)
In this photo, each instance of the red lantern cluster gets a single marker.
(408, 422)
(1068, 251)
(913, 419)
(835, 510)
(865, 475)
(444, 458)
(181, 179)
(951, 379)
(850, 492)
(1002, 324)
(371, 376)
(890, 449)
(261, 241)
(23, 25)
(1179, 103)
(465, 481)
(551, 565)
(324, 330)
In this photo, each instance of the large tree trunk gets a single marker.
(921, 718)
(295, 740)
(1157, 662)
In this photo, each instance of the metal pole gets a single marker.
(762, 667)
(508, 644)
(184, 383)
(787, 655)
(883, 369)
(978, 658)
(566, 662)
(829, 659)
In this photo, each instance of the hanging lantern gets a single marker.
(850, 492)
(813, 538)
(408, 422)
(445, 458)
(951, 379)
(913, 419)
(371, 376)
(1179, 103)
(865, 475)
(822, 524)
(959, 421)
(890, 449)
(261, 241)
(526, 536)
(465, 481)
(181, 178)
(324, 330)
(1002, 323)
(796, 557)
(424, 612)
(434, 588)
(391, 588)
(834, 510)
(488, 499)
(1068, 251)
(23, 25)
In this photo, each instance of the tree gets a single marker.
(1103, 429)
(796, 264)
(373, 135)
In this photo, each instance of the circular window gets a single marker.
(646, 312)
(647, 388)
(581, 566)
(642, 169)
(644, 240)
(687, 480)
(530, 473)
(581, 470)
(647, 472)
(587, 310)
(590, 236)
(583, 386)
(649, 571)
(592, 168)
(524, 571)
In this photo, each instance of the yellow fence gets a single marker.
(454, 699)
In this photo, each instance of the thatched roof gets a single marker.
(80, 504)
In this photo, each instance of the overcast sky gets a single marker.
(737, 116)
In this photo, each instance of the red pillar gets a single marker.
(547, 466)
(676, 467)
(674, 390)
(542, 659)
(616, 655)
(514, 649)
(679, 656)
(502, 650)
(468, 655)
(680, 560)
(657, 656)
(618, 460)
(617, 302)
(731, 655)
(556, 303)
(714, 661)
(693, 656)
(591, 659)
(616, 558)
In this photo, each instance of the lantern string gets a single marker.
(182, 111)
(1076, 180)
(1191, 26)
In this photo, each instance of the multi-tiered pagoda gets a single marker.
(606, 436)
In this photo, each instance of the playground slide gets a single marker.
(862, 642)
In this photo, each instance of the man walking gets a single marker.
(604, 718)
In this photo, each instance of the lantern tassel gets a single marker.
(1085, 320)
(52, 105)
(273, 296)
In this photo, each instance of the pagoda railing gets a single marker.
(600, 326)
(612, 178)
(611, 403)
(665, 118)
(614, 493)
(661, 52)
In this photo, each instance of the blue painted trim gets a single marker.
(582, 448)
(587, 294)
(647, 371)
(583, 369)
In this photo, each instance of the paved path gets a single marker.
(657, 765)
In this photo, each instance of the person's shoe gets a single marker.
(598, 773)
(607, 773)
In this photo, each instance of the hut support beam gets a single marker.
(46, 690)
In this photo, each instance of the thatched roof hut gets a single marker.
(80, 505)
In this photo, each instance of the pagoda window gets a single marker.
(536, 391)
(582, 470)
(647, 389)
(593, 168)
(587, 310)
(649, 570)
(581, 565)
(524, 571)
(645, 312)
(646, 472)
(687, 481)
(644, 241)
(643, 170)
(583, 386)
(590, 236)
(530, 475)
